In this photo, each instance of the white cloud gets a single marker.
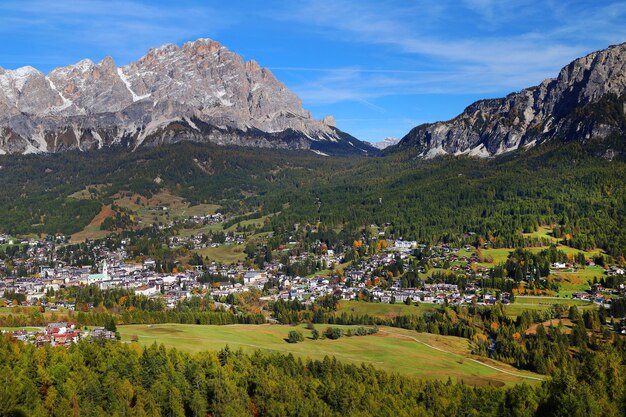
(479, 61)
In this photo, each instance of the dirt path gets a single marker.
(471, 359)
(92, 230)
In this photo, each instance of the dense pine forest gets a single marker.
(104, 379)
(451, 199)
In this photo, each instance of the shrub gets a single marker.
(295, 336)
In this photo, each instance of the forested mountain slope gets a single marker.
(444, 199)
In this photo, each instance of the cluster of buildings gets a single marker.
(359, 279)
(600, 295)
(61, 334)
(362, 280)
(201, 240)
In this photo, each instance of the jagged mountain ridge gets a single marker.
(199, 91)
(385, 143)
(587, 100)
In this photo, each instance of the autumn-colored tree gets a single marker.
(123, 299)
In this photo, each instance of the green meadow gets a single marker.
(396, 350)
(542, 304)
(382, 310)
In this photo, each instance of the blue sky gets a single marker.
(380, 67)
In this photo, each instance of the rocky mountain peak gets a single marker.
(329, 120)
(253, 66)
(203, 46)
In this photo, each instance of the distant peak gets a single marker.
(204, 46)
(202, 41)
(385, 143)
(570, 107)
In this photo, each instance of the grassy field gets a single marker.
(578, 280)
(396, 350)
(225, 254)
(219, 227)
(27, 311)
(13, 329)
(207, 229)
(565, 323)
(432, 271)
(199, 210)
(385, 311)
(544, 232)
(542, 304)
(17, 310)
(498, 256)
(254, 222)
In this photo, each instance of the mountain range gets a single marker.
(198, 92)
(203, 92)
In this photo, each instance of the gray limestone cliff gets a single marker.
(586, 100)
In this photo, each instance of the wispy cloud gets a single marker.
(485, 60)
(343, 84)
(124, 29)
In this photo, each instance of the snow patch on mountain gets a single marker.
(128, 87)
